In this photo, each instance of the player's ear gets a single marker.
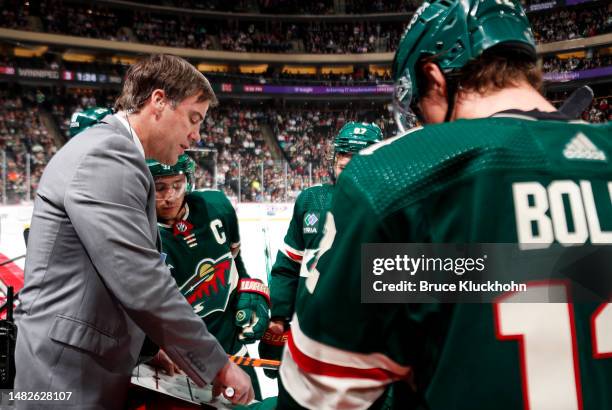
(434, 78)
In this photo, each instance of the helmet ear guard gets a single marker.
(403, 112)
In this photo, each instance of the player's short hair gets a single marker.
(495, 70)
(174, 75)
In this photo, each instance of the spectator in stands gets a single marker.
(182, 30)
(553, 64)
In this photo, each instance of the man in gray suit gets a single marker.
(95, 282)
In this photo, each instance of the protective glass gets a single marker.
(165, 190)
(404, 112)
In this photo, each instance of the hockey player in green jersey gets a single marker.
(303, 236)
(200, 238)
(81, 120)
(494, 163)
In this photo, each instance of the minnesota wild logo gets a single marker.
(209, 288)
(182, 228)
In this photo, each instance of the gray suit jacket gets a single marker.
(95, 282)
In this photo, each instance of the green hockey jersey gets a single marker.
(516, 177)
(202, 252)
(301, 242)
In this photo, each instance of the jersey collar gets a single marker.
(536, 115)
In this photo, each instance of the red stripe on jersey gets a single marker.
(314, 366)
(294, 256)
(11, 274)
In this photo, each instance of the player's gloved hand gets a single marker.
(272, 343)
(252, 309)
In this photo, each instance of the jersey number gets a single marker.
(546, 333)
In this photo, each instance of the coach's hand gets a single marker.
(162, 361)
(240, 382)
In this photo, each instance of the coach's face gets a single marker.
(177, 128)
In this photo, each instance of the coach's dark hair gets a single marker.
(175, 76)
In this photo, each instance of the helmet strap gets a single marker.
(332, 169)
(179, 215)
(452, 85)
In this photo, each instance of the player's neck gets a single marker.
(523, 97)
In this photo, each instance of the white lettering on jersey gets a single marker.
(535, 229)
(329, 234)
(556, 191)
(527, 214)
(217, 229)
(597, 235)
